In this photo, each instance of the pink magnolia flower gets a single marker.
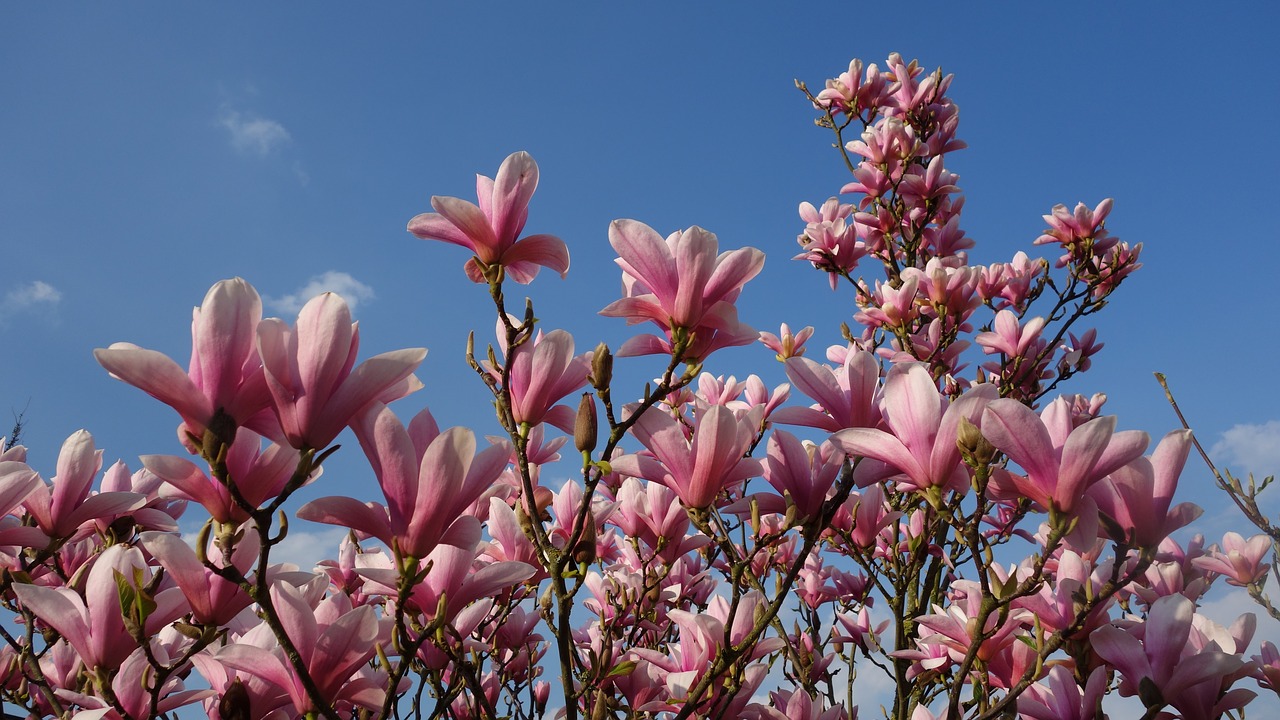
(214, 600)
(683, 286)
(1062, 461)
(786, 343)
(1061, 698)
(803, 474)
(1239, 560)
(696, 468)
(94, 623)
(17, 481)
(314, 390)
(845, 395)
(259, 473)
(1137, 497)
(491, 230)
(454, 573)
(429, 479)
(335, 641)
(224, 375)
(922, 444)
(131, 688)
(851, 92)
(60, 510)
(543, 371)
(1159, 662)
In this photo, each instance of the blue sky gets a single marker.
(151, 150)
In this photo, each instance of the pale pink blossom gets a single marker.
(429, 479)
(224, 377)
(699, 468)
(316, 388)
(683, 286)
(1239, 560)
(492, 229)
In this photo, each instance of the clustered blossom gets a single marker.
(697, 560)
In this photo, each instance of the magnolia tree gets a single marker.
(920, 511)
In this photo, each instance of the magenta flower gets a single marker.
(429, 479)
(696, 468)
(787, 344)
(846, 395)
(224, 375)
(1160, 653)
(491, 230)
(1061, 461)
(60, 510)
(314, 390)
(335, 641)
(804, 474)
(922, 444)
(683, 286)
(1138, 496)
(1239, 560)
(94, 624)
(543, 371)
(214, 600)
(259, 473)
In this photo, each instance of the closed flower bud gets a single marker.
(585, 427)
(234, 703)
(601, 367)
(974, 447)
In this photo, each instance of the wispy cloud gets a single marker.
(1250, 448)
(33, 295)
(351, 290)
(253, 134)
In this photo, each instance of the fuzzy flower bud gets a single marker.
(585, 427)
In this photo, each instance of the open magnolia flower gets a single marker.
(492, 229)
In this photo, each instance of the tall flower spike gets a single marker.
(491, 229)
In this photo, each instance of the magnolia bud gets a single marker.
(585, 551)
(974, 448)
(234, 703)
(601, 367)
(584, 428)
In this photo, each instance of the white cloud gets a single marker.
(250, 133)
(37, 292)
(1250, 448)
(35, 295)
(305, 549)
(351, 290)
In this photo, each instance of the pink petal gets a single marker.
(349, 512)
(158, 376)
(1017, 432)
(647, 254)
(732, 271)
(512, 189)
(548, 251)
(471, 222)
(433, 226)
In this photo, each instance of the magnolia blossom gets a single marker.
(1062, 461)
(923, 442)
(309, 368)
(429, 479)
(224, 377)
(696, 468)
(491, 229)
(683, 286)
